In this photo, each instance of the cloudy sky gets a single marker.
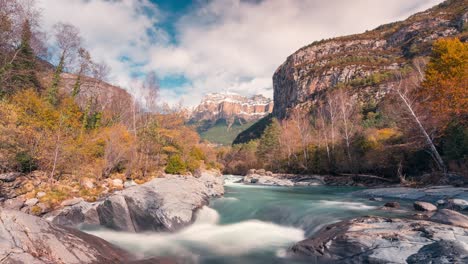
(203, 46)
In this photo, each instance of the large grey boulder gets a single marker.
(28, 239)
(163, 204)
(381, 240)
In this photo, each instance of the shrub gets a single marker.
(26, 163)
(175, 165)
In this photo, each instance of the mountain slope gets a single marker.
(364, 61)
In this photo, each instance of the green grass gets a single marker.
(221, 134)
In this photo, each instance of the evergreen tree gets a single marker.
(269, 145)
(24, 65)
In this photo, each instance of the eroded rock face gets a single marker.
(232, 107)
(28, 239)
(362, 61)
(383, 240)
(163, 204)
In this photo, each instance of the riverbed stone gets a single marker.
(457, 204)
(424, 207)
(392, 205)
(31, 202)
(381, 240)
(446, 216)
(430, 194)
(267, 180)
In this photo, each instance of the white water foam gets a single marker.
(206, 234)
(348, 205)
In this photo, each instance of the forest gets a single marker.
(77, 142)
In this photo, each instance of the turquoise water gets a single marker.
(252, 224)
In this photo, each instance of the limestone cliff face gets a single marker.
(364, 62)
(107, 96)
(232, 107)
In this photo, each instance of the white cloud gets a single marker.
(220, 45)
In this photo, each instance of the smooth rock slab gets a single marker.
(378, 240)
(446, 216)
(9, 177)
(432, 194)
(163, 204)
(28, 239)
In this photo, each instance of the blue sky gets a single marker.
(202, 46)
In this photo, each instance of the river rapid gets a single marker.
(251, 224)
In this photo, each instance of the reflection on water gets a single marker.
(250, 224)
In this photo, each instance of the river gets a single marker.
(251, 224)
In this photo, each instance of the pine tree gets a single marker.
(269, 145)
(24, 65)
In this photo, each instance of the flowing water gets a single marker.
(251, 224)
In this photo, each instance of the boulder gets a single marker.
(9, 177)
(163, 204)
(31, 202)
(128, 184)
(424, 207)
(441, 252)
(117, 183)
(392, 205)
(28, 239)
(449, 217)
(381, 240)
(457, 204)
(267, 180)
(75, 215)
(14, 204)
(72, 201)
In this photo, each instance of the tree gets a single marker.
(404, 89)
(269, 145)
(23, 64)
(445, 88)
(84, 65)
(68, 41)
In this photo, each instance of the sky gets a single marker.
(203, 46)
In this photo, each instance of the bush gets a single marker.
(175, 165)
(26, 163)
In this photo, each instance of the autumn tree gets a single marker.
(68, 41)
(445, 88)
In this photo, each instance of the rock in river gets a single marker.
(28, 239)
(385, 240)
(424, 207)
(162, 204)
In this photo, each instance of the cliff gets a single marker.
(232, 107)
(364, 62)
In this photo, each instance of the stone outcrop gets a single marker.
(364, 61)
(262, 177)
(163, 204)
(231, 107)
(29, 239)
(385, 240)
(430, 194)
